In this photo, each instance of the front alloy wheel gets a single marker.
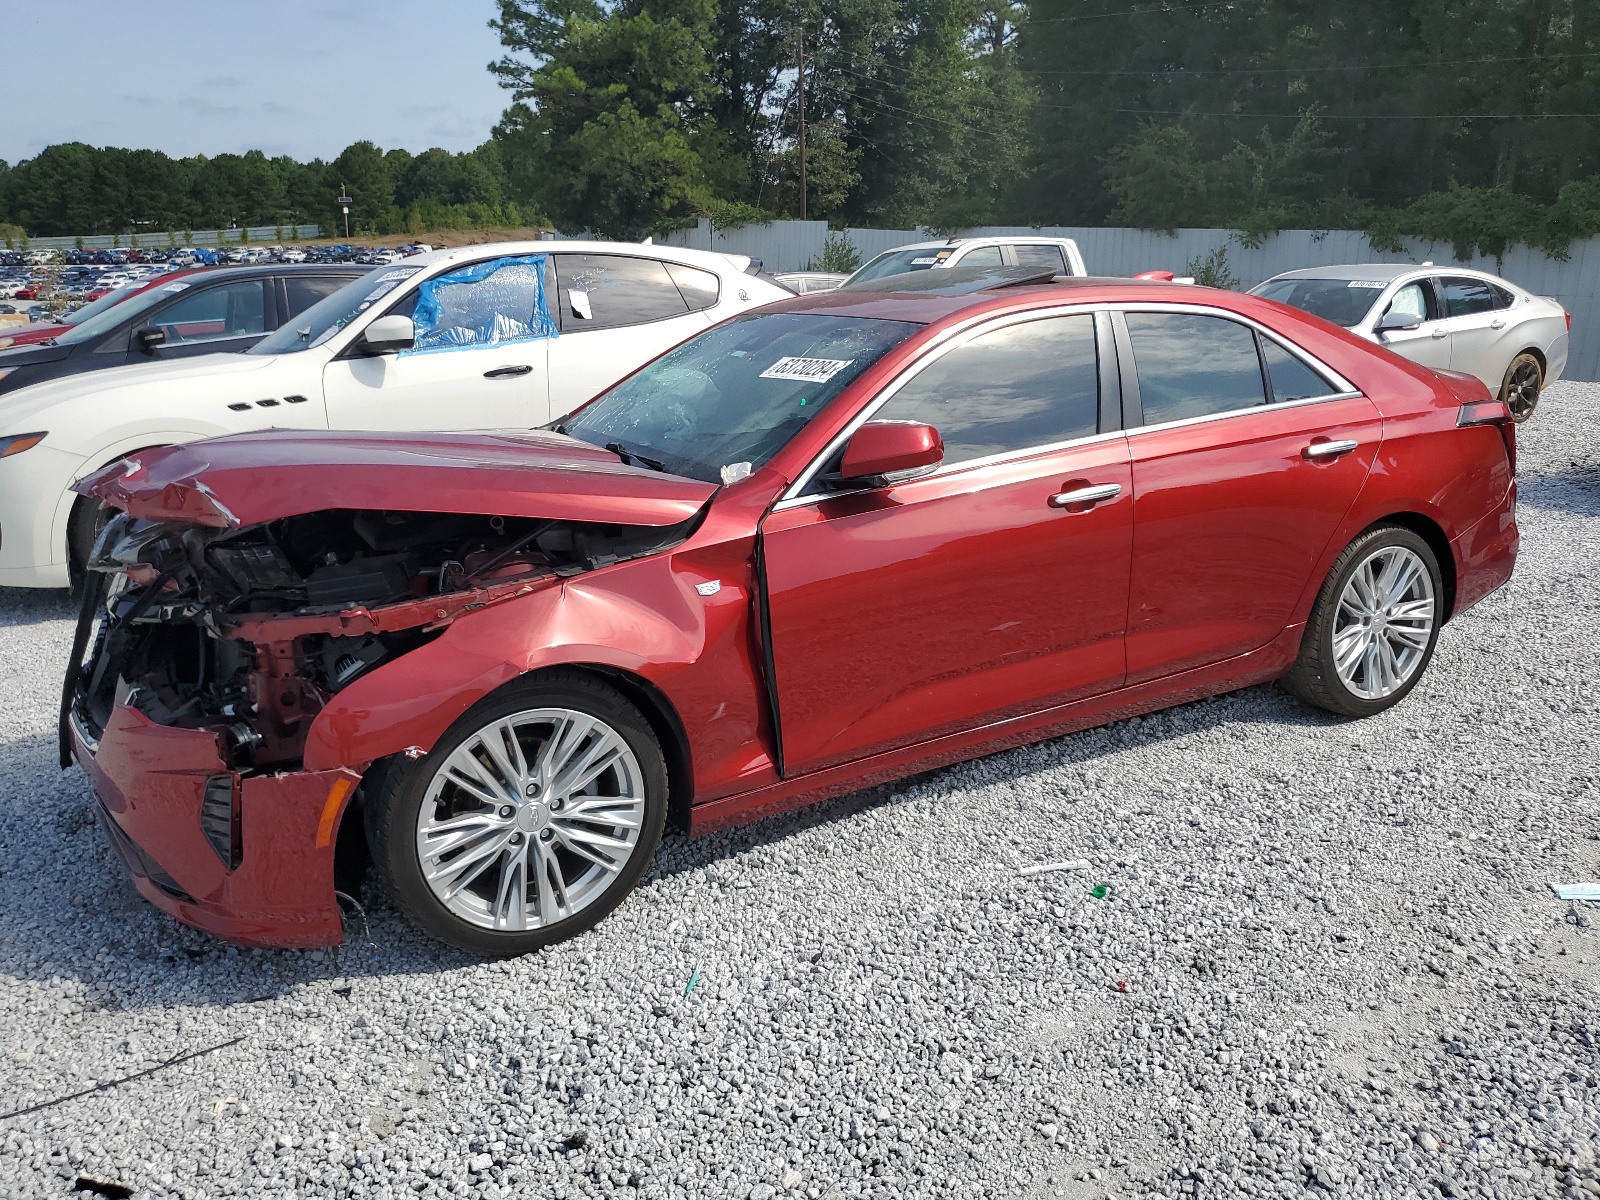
(531, 819)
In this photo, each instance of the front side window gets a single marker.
(1193, 366)
(983, 256)
(607, 291)
(1026, 385)
(1415, 300)
(724, 402)
(1465, 297)
(487, 304)
(209, 315)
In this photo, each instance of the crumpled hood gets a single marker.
(253, 478)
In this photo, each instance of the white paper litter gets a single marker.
(1072, 864)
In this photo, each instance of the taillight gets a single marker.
(219, 819)
(1492, 412)
(1569, 321)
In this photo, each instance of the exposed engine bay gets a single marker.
(250, 631)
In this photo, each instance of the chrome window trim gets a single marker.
(1240, 412)
(796, 494)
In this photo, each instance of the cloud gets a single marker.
(201, 107)
(222, 81)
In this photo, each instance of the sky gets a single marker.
(298, 77)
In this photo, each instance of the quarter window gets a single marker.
(231, 310)
(1290, 378)
(1025, 385)
(698, 288)
(1193, 366)
(606, 291)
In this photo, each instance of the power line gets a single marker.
(1369, 67)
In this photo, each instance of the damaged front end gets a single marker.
(203, 656)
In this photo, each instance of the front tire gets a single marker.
(532, 818)
(1374, 626)
(1521, 387)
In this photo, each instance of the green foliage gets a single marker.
(736, 214)
(838, 254)
(1212, 270)
(77, 189)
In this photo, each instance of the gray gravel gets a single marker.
(1343, 969)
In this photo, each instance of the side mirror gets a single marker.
(1392, 322)
(885, 452)
(149, 338)
(388, 334)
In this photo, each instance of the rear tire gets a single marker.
(1521, 387)
(532, 818)
(1374, 626)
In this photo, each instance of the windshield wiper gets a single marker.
(629, 457)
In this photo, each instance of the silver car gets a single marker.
(1449, 318)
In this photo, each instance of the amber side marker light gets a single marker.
(330, 810)
(18, 442)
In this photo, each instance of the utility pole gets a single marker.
(800, 59)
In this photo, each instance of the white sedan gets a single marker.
(1447, 318)
(479, 337)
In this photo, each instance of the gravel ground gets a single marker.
(1328, 961)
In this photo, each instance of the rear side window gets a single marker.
(698, 288)
(228, 311)
(607, 291)
(1047, 258)
(1193, 366)
(1290, 378)
(1464, 297)
(305, 290)
(1010, 389)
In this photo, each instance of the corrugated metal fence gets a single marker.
(795, 245)
(194, 237)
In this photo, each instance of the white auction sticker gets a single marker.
(808, 370)
(1366, 283)
(924, 262)
(400, 273)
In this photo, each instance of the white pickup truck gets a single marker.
(1060, 254)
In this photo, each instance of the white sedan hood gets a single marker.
(152, 378)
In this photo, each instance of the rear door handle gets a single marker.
(1326, 451)
(1498, 323)
(508, 372)
(1086, 495)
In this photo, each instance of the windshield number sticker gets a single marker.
(924, 262)
(1365, 283)
(398, 273)
(174, 287)
(807, 370)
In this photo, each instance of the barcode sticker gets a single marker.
(808, 370)
(1367, 283)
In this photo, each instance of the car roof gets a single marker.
(925, 307)
(1383, 271)
(990, 239)
(711, 260)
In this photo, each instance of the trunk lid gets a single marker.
(253, 478)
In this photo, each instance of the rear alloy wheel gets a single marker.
(1374, 626)
(536, 813)
(1520, 390)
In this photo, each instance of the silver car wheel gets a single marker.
(1384, 623)
(530, 819)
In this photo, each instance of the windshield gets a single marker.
(326, 317)
(94, 308)
(1342, 301)
(898, 262)
(109, 319)
(723, 403)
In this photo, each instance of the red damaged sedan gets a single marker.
(843, 539)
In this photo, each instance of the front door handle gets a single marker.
(508, 372)
(1088, 496)
(1440, 333)
(1498, 323)
(1328, 451)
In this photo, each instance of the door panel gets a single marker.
(1230, 519)
(946, 602)
(488, 387)
(1480, 328)
(584, 364)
